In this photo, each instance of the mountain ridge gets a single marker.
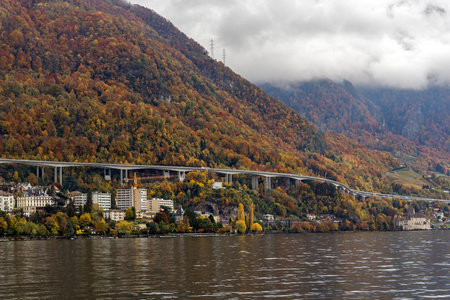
(105, 81)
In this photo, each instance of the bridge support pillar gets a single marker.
(267, 183)
(181, 175)
(288, 182)
(37, 173)
(60, 175)
(121, 176)
(42, 175)
(166, 174)
(228, 178)
(254, 182)
(297, 182)
(107, 173)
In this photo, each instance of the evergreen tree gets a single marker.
(250, 217)
(113, 201)
(70, 230)
(88, 205)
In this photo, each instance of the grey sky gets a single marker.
(383, 42)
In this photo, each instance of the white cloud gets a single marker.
(384, 42)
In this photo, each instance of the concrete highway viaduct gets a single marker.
(181, 172)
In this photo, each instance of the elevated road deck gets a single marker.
(181, 171)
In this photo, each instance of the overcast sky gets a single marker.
(392, 43)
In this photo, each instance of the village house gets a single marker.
(7, 201)
(311, 217)
(268, 218)
(437, 214)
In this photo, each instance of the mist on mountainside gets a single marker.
(412, 125)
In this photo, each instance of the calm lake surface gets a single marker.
(359, 265)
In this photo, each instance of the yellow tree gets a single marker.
(240, 226)
(75, 223)
(85, 220)
(3, 225)
(101, 226)
(241, 215)
(124, 227)
(257, 227)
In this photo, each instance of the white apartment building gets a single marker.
(132, 197)
(79, 199)
(102, 199)
(7, 202)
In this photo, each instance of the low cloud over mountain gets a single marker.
(402, 44)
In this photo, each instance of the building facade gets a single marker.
(114, 215)
(79, 199)
(7, 201)
(30, 204)
(412, 221)
(126, 198)
(102, 199)
(155, 204)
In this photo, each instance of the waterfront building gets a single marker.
(124, 198)
(102, 199)
(33, 200)
(131, 197)
(7, 202)
(114, 214)
(155, 204)
(412, 221)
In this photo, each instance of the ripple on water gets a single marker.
(389, 265)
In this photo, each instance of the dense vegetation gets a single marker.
(411, 125)
(106, 81)
(100, 80)
(292, 202)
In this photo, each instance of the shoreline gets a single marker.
(175, 235)
(96, 237)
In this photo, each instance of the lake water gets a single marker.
(357, 265)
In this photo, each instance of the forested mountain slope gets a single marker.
(412, 125)
(101, 80)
